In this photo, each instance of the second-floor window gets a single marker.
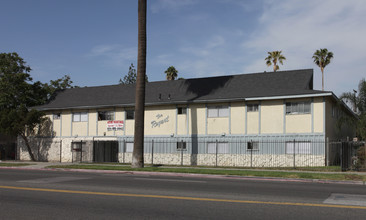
(106, 116)
(79, 116)
(130, 114)
(298, 108)
(218, 111)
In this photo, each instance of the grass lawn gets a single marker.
(238, 172)
(2, 164)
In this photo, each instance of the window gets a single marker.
(301, 147)
(252, 107)
(218, 111)
(76, 146)
(298, 108)
(129, 147)
(56, 116)
(181, 146)
(130, 114)
(182, 111)
(222, 148)
(106, 116)
(80, 116)
(253, 145)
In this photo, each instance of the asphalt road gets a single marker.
(30, 194)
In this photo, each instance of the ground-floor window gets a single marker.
(222, 147)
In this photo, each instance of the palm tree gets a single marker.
(322, 58)
(275, 57)
(138, 149)
(171, 73)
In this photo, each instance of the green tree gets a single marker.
(274, 58)
(18, 94)
(322, 58)
(171, 73)
(131, 76)
(357, 101)
(138, 149)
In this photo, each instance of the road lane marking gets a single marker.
(52, 179)
(182, 198)
(172, 180)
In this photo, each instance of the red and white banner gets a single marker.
(115, 125)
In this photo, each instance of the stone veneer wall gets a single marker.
(56, 150)
(230, 160)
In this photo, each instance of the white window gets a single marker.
(302, 147)
(253, 146)
(222, 148)
(252, 107)
(218, 111)
(129, 147)
(106, 116)
(298, 108)
(79, 116)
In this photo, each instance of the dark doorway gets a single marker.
(105, 151)
(8, 151)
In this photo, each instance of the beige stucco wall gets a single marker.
(160, 120)
(66, 123)
(298, 123)
(182, 124)
(318, 115)
(218, 125)
(197, 119)
(272, 113)
(92, 122)
(253, 123)
(238, 118)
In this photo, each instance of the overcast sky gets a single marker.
(95, 41)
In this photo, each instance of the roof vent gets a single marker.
(169, 97)
(159, 96)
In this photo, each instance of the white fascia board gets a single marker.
(289, 96)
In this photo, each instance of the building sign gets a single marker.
(160, 119)
(114, 125)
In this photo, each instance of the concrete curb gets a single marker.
(194, 175)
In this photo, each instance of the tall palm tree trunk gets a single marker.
(138, 149)
(322, 69)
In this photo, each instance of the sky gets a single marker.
(95, 41)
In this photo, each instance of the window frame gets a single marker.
(181, 148)
(80, 114)
(298, 108)
(56, 116)
(220, 111)
(106, 114)
(255, 146)
(128, 114)
(252, 107)
(181, 110)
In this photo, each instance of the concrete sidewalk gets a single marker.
(44, 165)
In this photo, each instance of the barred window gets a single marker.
(129, 147)
(253, 146)
(181, 145)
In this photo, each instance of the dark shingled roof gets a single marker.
(210, 89)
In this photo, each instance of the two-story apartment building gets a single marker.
(201, 116)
